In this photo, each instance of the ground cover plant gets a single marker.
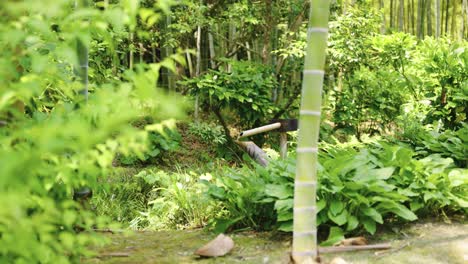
(361, 185)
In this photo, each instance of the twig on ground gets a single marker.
(353, 248)
(114, 254)
(383, 252)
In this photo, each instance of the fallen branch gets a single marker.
(114, 254)
(383, 252)
(353, 248)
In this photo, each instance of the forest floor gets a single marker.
(428, 242)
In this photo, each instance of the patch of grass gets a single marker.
(123, 197)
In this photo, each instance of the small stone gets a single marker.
(217, 247)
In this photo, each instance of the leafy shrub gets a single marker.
(360, 186)
(246, 90)
(445, 64)
(123, 197)
(241, 193)
(177, 201)
(163, 138)
(452, 144)
(208, 133)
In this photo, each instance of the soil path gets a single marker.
(428, 243)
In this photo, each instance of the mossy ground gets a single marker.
(423, 242)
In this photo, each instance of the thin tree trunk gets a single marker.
(438, 29)
(453, 28)
(419, 22)
(407, 17)
(429, 17)
(423, 18)
(464, 25)
(189, 63)
(212, 50)
(413, 29)
(381, 7)
(305, 229)
(169, 50)
(267, 33)
(447, 7)
(197, 67)
(130, 57)
(401, 15)
(249, 55)
(232, 43)
(391, 14)
(83, 57)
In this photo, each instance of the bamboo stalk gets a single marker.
(305, 230)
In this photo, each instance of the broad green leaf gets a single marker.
(458, 177)
(339, 219)
(284, 205)
(279, 191)
(369, 225)
(336, 207)
(286, 226)
(321, 205)
(397, 209)
(353, 222)
(335, 235)
(384, 173)
(372, 213)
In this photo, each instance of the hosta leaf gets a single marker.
(284, 216)
(279, 191)
(384, 173)
(320, 205)
(335, 235)
(397, 209)
(415, 206)
(372, 213)
(336, 207)
(286, 226)
(369, 225)
(339, 219)
(407, 192)
(352, 222)
(458, 177)
(284, 205)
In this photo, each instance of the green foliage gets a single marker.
(241, 193)
(372, 75)
(208, 133)
(123, 198)
(361, 185)
(450, 144)
(446, 66)
(246, 90)
(59, 143)
(163, 138)
(177, 201)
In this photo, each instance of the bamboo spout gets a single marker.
(259, 130)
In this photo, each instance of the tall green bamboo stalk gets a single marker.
(305, 228)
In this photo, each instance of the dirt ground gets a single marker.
(423, 242)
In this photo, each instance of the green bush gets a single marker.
(360, 186)
(176, 200)
(208, 133)
(245, 90)
(164, 138)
